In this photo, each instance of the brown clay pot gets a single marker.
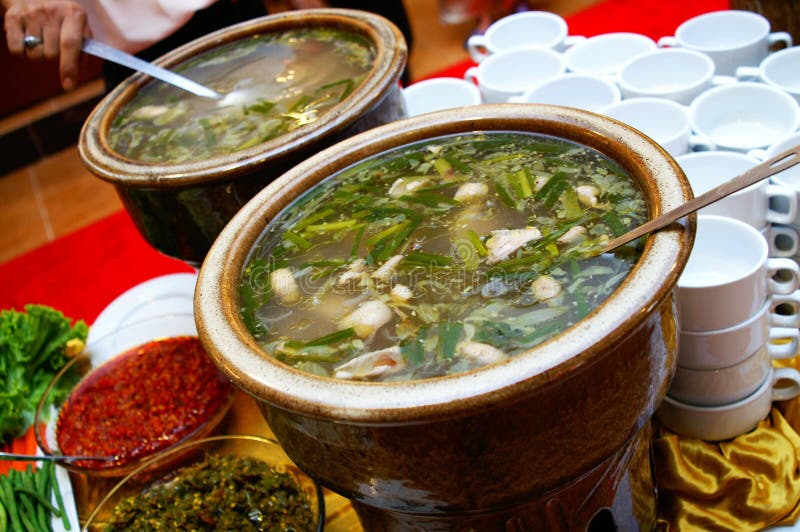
(180, 208)
(540, 441)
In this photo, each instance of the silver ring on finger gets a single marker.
(31, 41)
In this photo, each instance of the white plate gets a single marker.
(168, 294)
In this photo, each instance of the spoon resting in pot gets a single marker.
(52, 458)
(768, 168)
(109, 53)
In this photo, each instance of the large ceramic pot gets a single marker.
(180, 208)
(540, 441)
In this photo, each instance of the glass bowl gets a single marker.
(161, 471)
(173, 334)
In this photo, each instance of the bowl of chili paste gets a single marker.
(135, 392)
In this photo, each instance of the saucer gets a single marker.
(167, 294)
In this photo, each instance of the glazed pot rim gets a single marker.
(390, 59)
(647, 286)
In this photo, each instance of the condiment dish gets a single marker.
(145, 387)
(168, 466)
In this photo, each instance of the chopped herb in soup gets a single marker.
(440, 257)
(273, 83)
(219, 493)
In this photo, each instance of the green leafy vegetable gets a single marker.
(34, 346)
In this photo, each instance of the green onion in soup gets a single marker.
(274, 83)
(440, 257)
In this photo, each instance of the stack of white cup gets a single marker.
(788, 179)
(768, 207)
(738, 309)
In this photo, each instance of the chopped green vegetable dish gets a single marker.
(34, 346)
(441, 256)
(219, 493)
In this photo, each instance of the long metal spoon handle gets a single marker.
(109, 53)
(768, 168)
(50, 457)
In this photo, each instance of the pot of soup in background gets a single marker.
(293, 84)
(427, 325)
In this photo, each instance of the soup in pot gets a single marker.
(272, 84)
(440, 256)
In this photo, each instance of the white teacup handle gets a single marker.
(476, 46)
(572, 40)
(784, 393)
(783, 233)
(792, 319)
(667, 42)
(748, 73)
(785, 195)
(471, 74)
(701, 143)
(719, 79)
(785, 349)
(782, 266)
(780, 37)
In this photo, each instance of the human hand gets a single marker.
(61, 26)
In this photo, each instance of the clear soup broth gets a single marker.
(273, 83)
(440, 256)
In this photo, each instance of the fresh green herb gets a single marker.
(614, 223)
(505, 195)
(297, 240)
(551, 191)
(428, 259)
(413, 350)
(449, 334)
(34, 346)
(476, 241)
(332, 338)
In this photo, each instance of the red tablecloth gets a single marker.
(83, 272)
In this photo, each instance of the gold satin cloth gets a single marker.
(748, 483)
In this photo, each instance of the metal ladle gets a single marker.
(109, 53)
(52, 458)
(768, 168)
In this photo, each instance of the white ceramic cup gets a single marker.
(789, 177)
(665, 121)
(744, 116)
(603, 55)
(436, 94)
(756, 205)
(722, 348)
(723, 422)
(714, 387)
(783, 240)
(573, 90)
(729, 275)
(512, 72)
(529, 28)
(731, 38)
(781, 69)
(676, 74)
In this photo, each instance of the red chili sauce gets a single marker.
(142, 401)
